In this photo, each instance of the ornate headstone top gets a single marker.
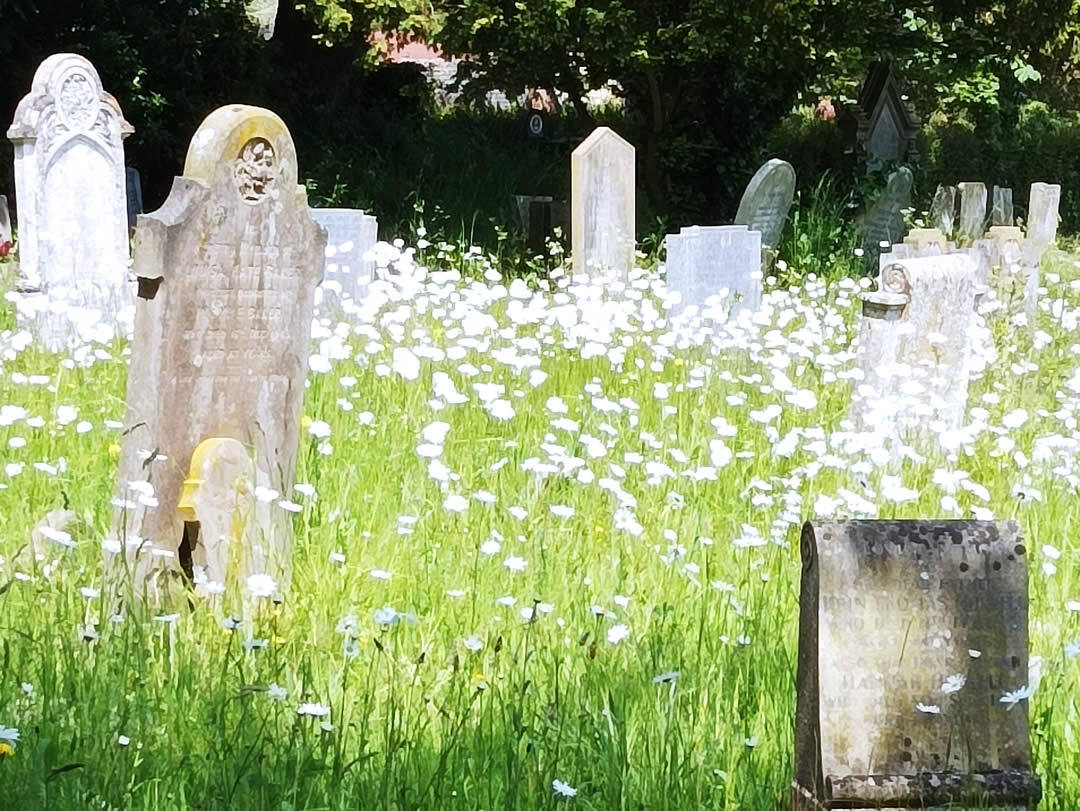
(66, 98)
(913, 666)
(767, 200)
(887, 125)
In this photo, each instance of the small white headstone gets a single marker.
(972, 211)
(1042, 219)
(602, 177)
(350, 235)
(723, 260)
(943, 210)
(767, 200)
(70, 188)
(1001, 211)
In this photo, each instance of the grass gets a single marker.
(647, 661)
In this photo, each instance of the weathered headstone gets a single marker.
(350, 235)
(539, 216)
(913, 667)
(767, 200)
(972, 211)
(263, 13)
(5, 221)
(883, 224)
(134, 195)
(943, 210)
(915, 344)
(70, 188)
(1042, 220)
(603, 204)
(227, 270)
(919, 242)
(887, 127)
(706, 261)
(1001, 211)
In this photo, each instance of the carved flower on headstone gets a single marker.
(78, 101)
(255, 170)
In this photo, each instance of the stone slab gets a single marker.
(602, 179)
(5, 221)
(972, 211)
(943, 210)
(883, 223)
(767, 200)
(1001, 207)
(350, 236)
(134, 195)
(714, 261)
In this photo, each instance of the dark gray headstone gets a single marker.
(883, 224)
(767, 200)
(134, 195)
(912, 645)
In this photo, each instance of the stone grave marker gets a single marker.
(913, 662)
(887, 127)
(972, 211)
(1001, 207)
(350, 235)
(227, 270)
(68, 135)
(943, 210)
(767, 200)
(883, 224)
(914, 347)
(919, 242)
(1042, 220)
(134, 195)
(603, 204)
(5, 221)
(705, 261)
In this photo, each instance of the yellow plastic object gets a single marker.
(206, 448)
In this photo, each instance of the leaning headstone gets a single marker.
(943, 210)
(70, 188)
(912, 677)
(134, 195)
(603, 204)
(887, 127)
(227, 270)
(972, 211)
(1001, 207)
(915, 345)
(723, 260)
(350, 236)
(767, 200)
(883, 224)
(5, 221)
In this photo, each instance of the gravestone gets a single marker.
(70, 189)
(943, 210)
(705, 261)
(886, 126)
(1042, 220)
(227, 270)
(910, 635)
(914, 345)
(883, 224)
(134, 195)
(603, 204)
(5, 221)
(539, 216)
(972, 211)
(767, 200)
(919, 242)
(263, 13)
(350, 235)
(1001, 211)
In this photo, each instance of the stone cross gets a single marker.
(707, 261)
(70, 188)
(883, 224)
(972, 211)
(767, 200)
(943, 210)
(914, 347)
(350, 235)
(1001, 211)
(227, 270)
(912, 672)
(603, 204)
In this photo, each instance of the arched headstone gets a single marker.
(767, 200)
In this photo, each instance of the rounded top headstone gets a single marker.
(250, 142)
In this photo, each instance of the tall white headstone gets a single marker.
(70, 187)
(602, 178)
(972, 211)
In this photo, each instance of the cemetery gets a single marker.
(768, 500)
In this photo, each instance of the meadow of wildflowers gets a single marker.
(546, 554)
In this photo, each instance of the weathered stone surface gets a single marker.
(918, 243)
(70, 187)
(915, 340)
(943, 210)
(134, 195)
(707, 261)
(972, 211)
(1042, 220)
(603, 204)
(263, 13)
(883, 224)
(227, 270)
(5, 221)
(910, 635)
(767, 200)
(350, 235)
(887, 127)
(1001, 211)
